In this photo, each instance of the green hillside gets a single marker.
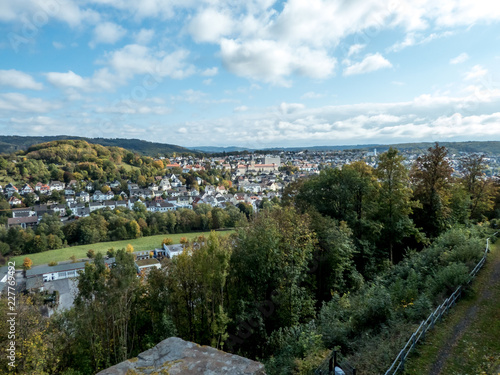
(10, 144)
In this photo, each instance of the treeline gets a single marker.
(352, 258)
(119, 224)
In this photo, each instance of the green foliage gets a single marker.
(449, 278)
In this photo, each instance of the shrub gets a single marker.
(167, 241)
(448, 279)
(90, 254)
(371, 308)
(53, 263)
(334, 321)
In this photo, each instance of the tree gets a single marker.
(101, 323)
(27, 263)
(130, 248)
(269, 267)
(481, 190)
(431, 180)
(394, 203)
(196, 281)
(91, 254)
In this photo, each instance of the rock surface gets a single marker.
(175, 356)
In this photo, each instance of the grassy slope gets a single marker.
(477, 351)
(139, 244)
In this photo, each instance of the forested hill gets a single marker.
(14, 143)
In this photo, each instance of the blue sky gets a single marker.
(254, 73)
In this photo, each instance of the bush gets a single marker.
(371, 308)
(448, 279)
(53, 263)
(111, 252)
(334, 321)
(91, 254)
(167, 241)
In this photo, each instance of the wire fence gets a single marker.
(399, 362)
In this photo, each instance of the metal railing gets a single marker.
(334, 367)
(437, 314)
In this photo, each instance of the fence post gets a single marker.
(330, 364)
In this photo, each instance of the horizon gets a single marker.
(261, 74)
(203, 147)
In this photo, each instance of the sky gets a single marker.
(253, 73)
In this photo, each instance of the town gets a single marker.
(253, 177)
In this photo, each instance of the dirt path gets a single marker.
(484, 294)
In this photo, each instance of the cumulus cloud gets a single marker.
(135, 59)
(144, 36)
(370, 63)
(19, 80)
(210, 72)
(311, 95)
(241, 108)
(269, 61)
(15, 102)
(355, 49)
(210, 25)
(287, 108)
(107, 33)
(477, 72)
(423, 118)
(459, 59)
(40, 12)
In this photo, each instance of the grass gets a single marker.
(139, 244)
(478, 349)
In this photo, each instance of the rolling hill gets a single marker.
(14, 143)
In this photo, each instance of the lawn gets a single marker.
(477, 349)
(139, 244)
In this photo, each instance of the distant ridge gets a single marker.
(486, 147)
(16, 143)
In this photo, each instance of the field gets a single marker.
(466, 342)
(139, 244)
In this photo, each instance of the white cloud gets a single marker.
(207, 81)
(19, 80)
(144, 36)
(415, 39)
(241, 108)
(210, 72)
(369, 64)
(355, 49)
(107, 33)
(69, 79)
(41, 12)
(311, 95)
(477, 72)
(269, 61)
(459, 59)
(135, 59)
(15, 102)
(210, 25)
(58, 45)
(287, 108)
